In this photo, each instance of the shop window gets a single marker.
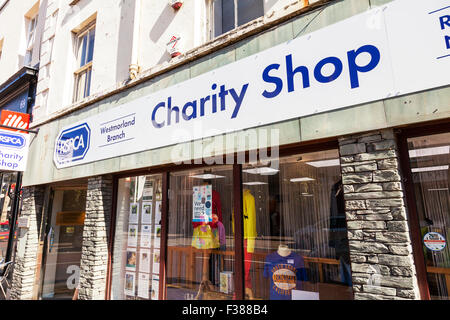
(8, 184)
(295, 236)
(137, 241)
(85, 41)
(230, 14)
(200, 248)
(430, 162)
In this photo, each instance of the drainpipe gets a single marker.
(134, 66)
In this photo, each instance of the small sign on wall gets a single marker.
(23, 222)
(173, 47)
(434, 241)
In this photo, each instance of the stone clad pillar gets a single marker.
(379, 241)
(94, 259)
(25, 260)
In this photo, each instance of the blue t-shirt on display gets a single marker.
(285, 274)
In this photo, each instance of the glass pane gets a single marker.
(228, 15)
(137, 242)
(200, 257)
(249, 10)
(83, 45)
(295, 238)
(91, 46)
(80, 86)
(87, 88)
(430, 160)
(8, 183)
(64, 244)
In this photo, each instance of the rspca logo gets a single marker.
(72, 144)
(11, 140)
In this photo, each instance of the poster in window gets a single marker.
(155, 287)
(146, 212)
(158, 209)
(132, 235)
(129, 284)
(157, 240)
(148, 191)
(131, 259)
(143, 285)
(202, 203)
(144, 260)
(134, 213)
(156, 259)
(146, 236)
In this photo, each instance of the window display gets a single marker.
(295, 236)
(137, 242)
(429, 161)
(200, 239)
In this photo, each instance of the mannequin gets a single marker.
(204, 234)
(283, 250)
(286, 271)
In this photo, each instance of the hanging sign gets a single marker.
(13, 150)
(202, 204)
(434, 241)
(394, 49)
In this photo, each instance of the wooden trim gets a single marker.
(413, 217)
(164, 231)
(83, 69)
(112, 234)
(86, 24)
(239, 233)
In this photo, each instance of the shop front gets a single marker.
(179, 241)
(299, 180)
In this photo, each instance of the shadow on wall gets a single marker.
(268, 4)
(125, 40)
(164, 20)
(20, 60)
(74, 10)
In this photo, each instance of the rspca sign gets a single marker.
(13, 150)
(72, 144)
(378, 54)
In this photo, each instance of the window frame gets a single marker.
(30, 39)
(84, 68)
(213, 23)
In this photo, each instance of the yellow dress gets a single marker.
(205, 238)
(249, 218)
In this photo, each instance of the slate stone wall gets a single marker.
(380, 246)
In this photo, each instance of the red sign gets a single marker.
(14, 119)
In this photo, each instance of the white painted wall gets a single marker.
(13, 31)
(115, 42)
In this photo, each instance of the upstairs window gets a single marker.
(230, 14)
(85, 53)
(31, 35)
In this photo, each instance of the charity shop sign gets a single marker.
(394, 49)
(14, 144)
